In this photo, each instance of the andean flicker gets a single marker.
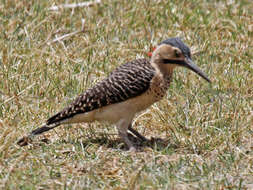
(128, 90)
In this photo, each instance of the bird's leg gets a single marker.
(122, 128)
(136, 133)
(126, 140)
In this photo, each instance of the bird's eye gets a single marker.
(177, 53)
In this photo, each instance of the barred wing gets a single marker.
(127, 81)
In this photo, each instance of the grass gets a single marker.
(207, 129)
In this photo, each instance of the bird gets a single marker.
(129, 89)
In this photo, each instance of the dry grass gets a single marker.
(208, 128)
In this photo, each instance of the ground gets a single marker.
(202, 134)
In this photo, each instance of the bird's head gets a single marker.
(173, 52)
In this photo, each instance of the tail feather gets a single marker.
(28, 139)
(55, 118)
(42, 129)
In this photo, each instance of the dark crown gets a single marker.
(177, 42)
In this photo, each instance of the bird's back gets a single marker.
(125, 82)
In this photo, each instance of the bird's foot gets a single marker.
(137, 134)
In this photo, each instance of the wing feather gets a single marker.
(127, 81)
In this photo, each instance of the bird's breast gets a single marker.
(158, 88)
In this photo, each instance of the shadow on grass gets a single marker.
(157, 144)
(154, 143)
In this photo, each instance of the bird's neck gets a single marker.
(164, 70)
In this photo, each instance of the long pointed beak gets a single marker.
(190, 64)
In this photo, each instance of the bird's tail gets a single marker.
(28, 139)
